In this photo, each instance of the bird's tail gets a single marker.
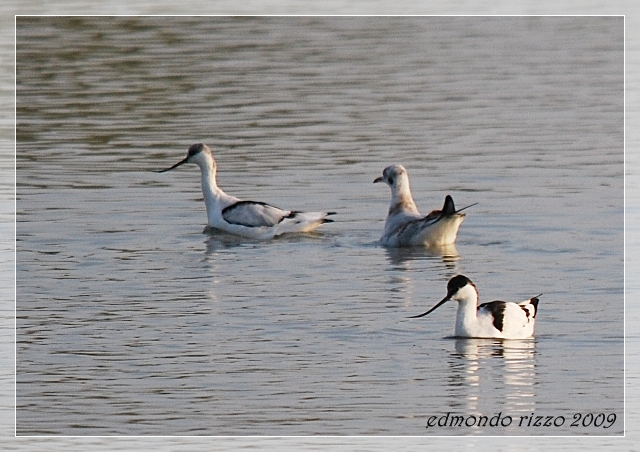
(531, 306)
(449, 207)
(328, 220)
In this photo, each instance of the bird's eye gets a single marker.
(391, 180)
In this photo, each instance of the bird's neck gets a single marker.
(210, 189)
(402, 201)
(467, 317)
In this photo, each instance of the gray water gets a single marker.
(132, 320)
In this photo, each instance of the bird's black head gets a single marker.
(196, 149)
(456, 283)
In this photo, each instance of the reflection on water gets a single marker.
(477, 361)
(217, 240)
(402, 257)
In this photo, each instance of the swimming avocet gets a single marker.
(405, 226)
(250, 219)
(496, 319)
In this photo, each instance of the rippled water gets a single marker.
(131, 320)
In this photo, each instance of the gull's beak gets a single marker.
(378, 179)
(174, 166)
(444, 300)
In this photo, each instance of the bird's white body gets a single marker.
(405, 226)
(407, 229)
(251, 219)
(496, 319)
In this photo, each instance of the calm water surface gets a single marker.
(132, 320)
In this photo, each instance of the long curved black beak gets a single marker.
(444, 300)
(378, 179)
(181, 162)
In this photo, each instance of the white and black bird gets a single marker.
(405, 226)
(252, 219)
(495, 319)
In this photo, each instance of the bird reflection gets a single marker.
(406, 261)
(491, 372)
(402, 257)
(217, 240)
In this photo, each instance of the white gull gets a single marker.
(405, 226)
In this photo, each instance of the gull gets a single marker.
(251, 219)
(405, 226)
(496, 319)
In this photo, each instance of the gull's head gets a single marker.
(198, 153)
(459, 288)
(395, 176)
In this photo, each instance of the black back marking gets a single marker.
(229, 211)
(242, 203)
(496, 308)
(292, 214)
(534, 301)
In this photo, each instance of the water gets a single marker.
(133, 321)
